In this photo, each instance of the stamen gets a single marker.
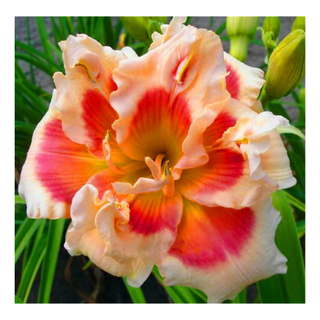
(155, 166)
(168, 188)
(244, 140)
(108, 136)
(166, 169)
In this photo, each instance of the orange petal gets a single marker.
(220, 251)
(55, 169)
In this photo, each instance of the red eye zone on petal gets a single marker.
(98, 116)
(208, 236)
(233, 84)
(215, 131)
(63, 166)
(153, 212)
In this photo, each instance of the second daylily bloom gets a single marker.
(162, 159)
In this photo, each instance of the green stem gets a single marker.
(239, 47)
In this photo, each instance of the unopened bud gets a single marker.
(273, 25)
(241, 31)
(270, 32)
(299, 23)
(286, 66)
(138, 27)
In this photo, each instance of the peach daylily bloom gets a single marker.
(162, 159)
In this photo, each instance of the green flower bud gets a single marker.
(272, 25)
(241, 31)
(138, 27)
(269, 33)
(299, 23)
(286, 66)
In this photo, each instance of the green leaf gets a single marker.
(39, 105)
(241, 297)
(29, 42)
(24, 234)
(188, 21)
(36, 63)
(181, 294)
(301, 227)
(18, 200)
(110, 40)
(136, 294)
(221, 28)
(56, 228)
(17, 299)
(44, 37)
(271, 290)
(117, 32)
(87, 265)
(55, 30)
(63, 28)
(291, 129)
(298, 167)
(295, 202)
(31, 51)
(277, 108)
(289, 287)
(31, 269)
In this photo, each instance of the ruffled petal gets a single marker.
(103, 180)
(87, 235)
(276, 164)
(207, 129)
(184, 76)
(123, 238)
(84, 92)
(55, 169)
(220, 251)
(223, 181)
(168, 31)
(243, 82)
(257, 139)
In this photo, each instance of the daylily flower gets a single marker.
(162, 159)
